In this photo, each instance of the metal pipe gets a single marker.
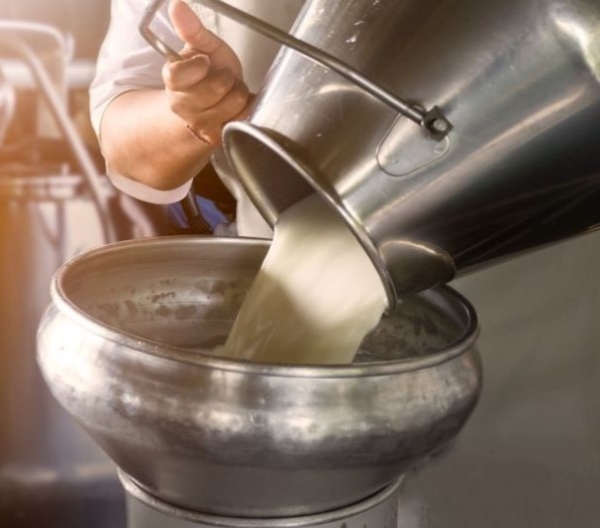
(10, 38)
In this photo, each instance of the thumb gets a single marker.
(195, 35)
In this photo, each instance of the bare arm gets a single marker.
(145, 134)
(142, 139)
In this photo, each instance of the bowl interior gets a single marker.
(185, 292)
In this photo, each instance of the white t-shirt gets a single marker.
(127, 62)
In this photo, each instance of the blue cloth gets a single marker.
(210, 212)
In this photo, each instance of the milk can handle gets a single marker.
(432, 120)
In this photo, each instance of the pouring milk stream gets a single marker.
(315, 297)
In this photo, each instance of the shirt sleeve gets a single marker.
(127, 62)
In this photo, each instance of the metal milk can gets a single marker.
(447, 133)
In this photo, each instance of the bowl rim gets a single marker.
(137, 344)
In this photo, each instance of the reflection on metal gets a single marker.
(519, 81)
(404, 150)
(416, 266)
(126, 349)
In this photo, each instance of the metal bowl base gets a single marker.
(377, 511)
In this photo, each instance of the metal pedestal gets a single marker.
(378, 511)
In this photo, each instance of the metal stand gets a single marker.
(145, 511)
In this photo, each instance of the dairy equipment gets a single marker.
(476, 182)
(439, 161)
(352, 111)
(234, 438)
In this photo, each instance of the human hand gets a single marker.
(205, 89)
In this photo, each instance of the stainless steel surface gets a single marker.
(378, 511)
(518, 79)
(121, 349)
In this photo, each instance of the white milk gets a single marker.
(315, 297)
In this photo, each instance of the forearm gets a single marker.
(142, 139)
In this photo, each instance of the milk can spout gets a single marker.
(275, 178)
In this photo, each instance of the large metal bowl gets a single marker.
(126, 348)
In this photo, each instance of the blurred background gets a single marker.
(55, 202)
(82, 24)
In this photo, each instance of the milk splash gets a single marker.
(315, 297)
